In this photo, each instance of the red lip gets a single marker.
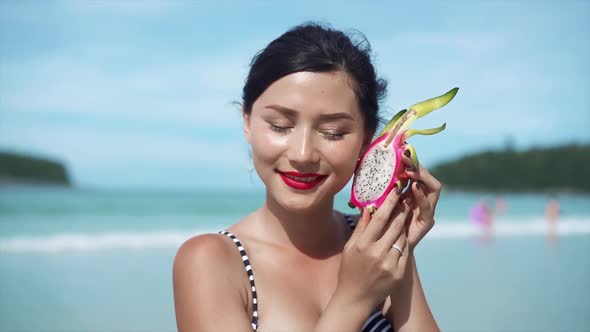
(299, 184)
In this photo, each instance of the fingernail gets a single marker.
(407, 201)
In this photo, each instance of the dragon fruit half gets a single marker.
(381, 168)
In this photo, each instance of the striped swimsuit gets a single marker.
(375, 323)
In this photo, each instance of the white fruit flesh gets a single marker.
(375, 173)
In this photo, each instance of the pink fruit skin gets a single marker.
(397, 146)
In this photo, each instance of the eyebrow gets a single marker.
(290, 113)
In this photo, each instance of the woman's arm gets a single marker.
(407, 307)
(343, 314)
(409, 311)
(370, 269)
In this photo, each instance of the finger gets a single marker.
(403, 260)
(408, 162)
(401, 240)
(421, 200)
(360, 225)
(381, 217)
(432, 184)
(416, 176)
(410, 170)
(396, 228)
(396, 250)
(431, 188)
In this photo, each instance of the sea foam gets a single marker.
(172, 239)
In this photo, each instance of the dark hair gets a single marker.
(316, 48)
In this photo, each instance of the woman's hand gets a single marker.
(371, 267)
(425, 191)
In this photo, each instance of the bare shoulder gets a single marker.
(205, 250)
(206, 256)
(208, 275)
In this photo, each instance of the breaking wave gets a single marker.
(171, 239)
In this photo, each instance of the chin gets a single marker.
(298, 202)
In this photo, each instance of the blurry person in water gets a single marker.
(482, 217)
(552, 211)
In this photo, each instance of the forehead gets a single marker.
(312, 93)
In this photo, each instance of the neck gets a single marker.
(318, 232)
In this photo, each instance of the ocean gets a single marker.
(83, 260)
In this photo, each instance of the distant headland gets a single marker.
(554, 169)
(17, 169)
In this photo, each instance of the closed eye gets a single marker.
(333, 136)
(278, 129)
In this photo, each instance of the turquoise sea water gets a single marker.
(75, 260)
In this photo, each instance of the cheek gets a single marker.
(266, 147)
(343, 159)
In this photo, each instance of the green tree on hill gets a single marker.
(15, 168)
(563, 168)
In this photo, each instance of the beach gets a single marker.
(81, 260)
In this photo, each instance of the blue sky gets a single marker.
(138, 94)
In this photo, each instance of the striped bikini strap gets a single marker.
(248, 267)
(350, 221)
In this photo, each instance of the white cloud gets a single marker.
(193, 91)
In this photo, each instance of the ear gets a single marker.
(246, 118)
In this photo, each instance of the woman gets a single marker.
(310, 106)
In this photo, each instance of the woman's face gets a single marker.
(306, 133)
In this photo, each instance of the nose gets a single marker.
(302, 147)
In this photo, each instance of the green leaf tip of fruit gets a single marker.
(413, 156)
(424, 107)
(392, 122)
(411, 132)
